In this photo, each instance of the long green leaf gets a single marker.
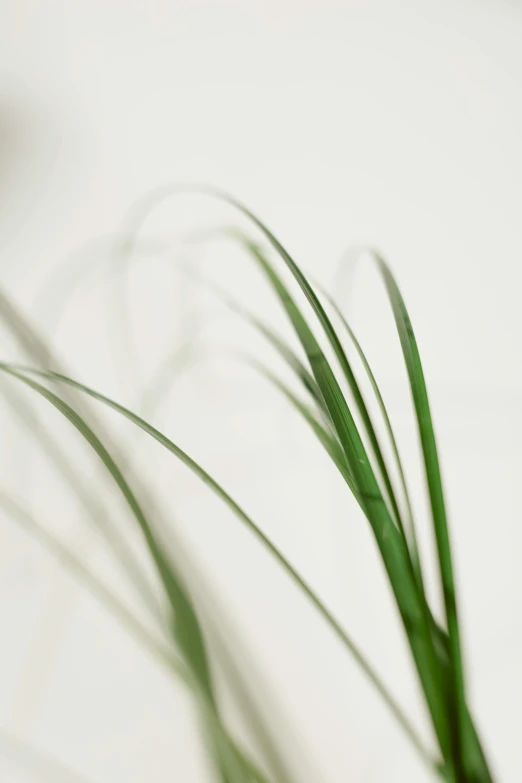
(408, 528)
(472, 763)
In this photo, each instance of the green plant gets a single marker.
(346, 429)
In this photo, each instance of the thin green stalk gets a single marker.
(409, 528)
(472, 765)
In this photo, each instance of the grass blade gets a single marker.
(470, 757)
(408, 529)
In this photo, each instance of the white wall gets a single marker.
(341, 123)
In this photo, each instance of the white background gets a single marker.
(391, 123)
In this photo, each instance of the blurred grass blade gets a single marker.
(185, 627)
(39, 352)
(105, 597)
(21, 372)
(186, 630)
(29, 757)
(33, 345)
(95, 511)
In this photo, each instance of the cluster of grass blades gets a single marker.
(346, 429)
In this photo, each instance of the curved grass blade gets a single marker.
(32, 344)
(186, 629)
(440, 636)
(36, 348)
(468, 750)
(95, 511)
(305, 334)
(408, 529)
(238, 511)
(185, 625)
